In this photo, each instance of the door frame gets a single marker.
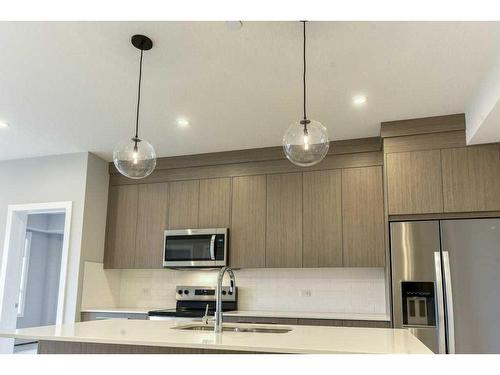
(15, 233)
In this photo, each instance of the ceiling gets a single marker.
(71, 86)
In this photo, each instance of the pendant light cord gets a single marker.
(304, 74)
(138, 99)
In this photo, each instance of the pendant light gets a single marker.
(306, 141)
(136, 158)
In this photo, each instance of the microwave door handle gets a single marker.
(440, 304)
(212, 247)
(449, 302)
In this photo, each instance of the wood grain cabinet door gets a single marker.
(471, 178)
(183, 205)
(414, 182)
(215, 202)
(363, 217)
(121, 227)
(322, 219)
(247, 236)
(284, 220)
(151, 224)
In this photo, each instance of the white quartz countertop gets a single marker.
(302, 339)
(259, 313)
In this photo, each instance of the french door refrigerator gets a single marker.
(446, 283)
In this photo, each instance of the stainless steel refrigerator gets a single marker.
(446, 283)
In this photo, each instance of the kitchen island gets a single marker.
(164, 337)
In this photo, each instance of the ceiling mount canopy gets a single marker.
(305, 142)
(136, 158)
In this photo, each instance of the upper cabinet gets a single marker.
(322, 219)
(137, 217)
(279, 215)
(414, 184)
(363, 217)
(471, 178)
(215, 202)
(121, 227)
(456, 179)
(151, 223)
(183, 204)
(248, 222)
(284, 220)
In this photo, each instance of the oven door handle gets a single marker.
(212, 247)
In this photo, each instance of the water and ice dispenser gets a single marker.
(418, 303)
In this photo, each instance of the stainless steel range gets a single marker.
(194, 301)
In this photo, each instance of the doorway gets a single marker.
(33, 273)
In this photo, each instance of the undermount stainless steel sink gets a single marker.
(205, 327)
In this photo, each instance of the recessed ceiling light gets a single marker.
(359, 99)
(234, 25)
(182, 122)
(3, 125)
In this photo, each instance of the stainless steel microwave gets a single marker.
(195, 248)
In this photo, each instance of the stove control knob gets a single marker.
(230, 293)
(179, 291)
(186, 291)
(223, 292)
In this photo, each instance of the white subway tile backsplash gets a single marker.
(347, 290)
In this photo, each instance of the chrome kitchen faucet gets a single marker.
(218, 302)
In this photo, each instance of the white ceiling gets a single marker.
(71, 86)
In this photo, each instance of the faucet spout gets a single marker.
(218, 302)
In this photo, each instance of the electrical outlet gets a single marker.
(305, 293)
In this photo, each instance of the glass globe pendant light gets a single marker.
(306, 141)
(136, 158)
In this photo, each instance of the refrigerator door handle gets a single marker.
(449, 302)
(440, 303)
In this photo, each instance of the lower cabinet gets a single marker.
(260, 320)
(367, 323)
(88, 316)
(307, 322)
(320, 322)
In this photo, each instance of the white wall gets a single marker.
(72, 177)
(94, 219)
(342, 290)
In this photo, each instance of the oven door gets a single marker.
(195, 248)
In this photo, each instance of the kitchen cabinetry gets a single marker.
(320, 322)
(322, 219)
(248, 222)
(151, 223)
(414, 182)
(259, 320)
(121, 227)
(284, 220)
(88, 316)
(307, 321)
(471, 178)
(137, 216)
(183, 204)
(214, 203)
(363, 217)
(367, 323)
